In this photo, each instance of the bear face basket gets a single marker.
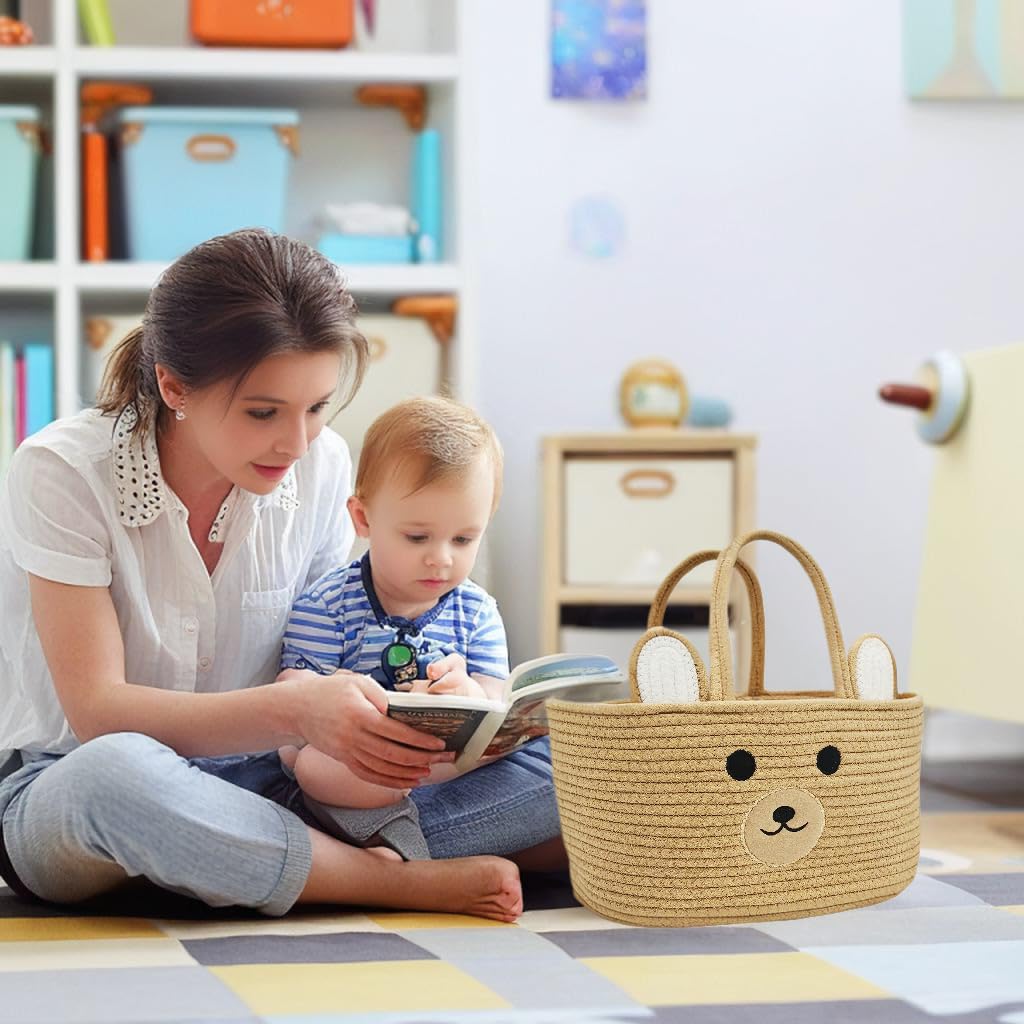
(691, 804)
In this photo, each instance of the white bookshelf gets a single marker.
(28, 61)
(417, 42)
(32, 276)
(132, 279)
(321, 67)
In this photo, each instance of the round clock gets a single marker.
(653, 394)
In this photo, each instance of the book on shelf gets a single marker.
(7, 383)
(26, 393)
(38, 396)
(483, 730)
(96, 22)
(19, 392)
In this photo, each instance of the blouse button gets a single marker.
(191, 625)
(204, 662)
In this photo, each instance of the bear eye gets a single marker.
(828, 760)
(740, 765)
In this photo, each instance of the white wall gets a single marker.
(797, 234)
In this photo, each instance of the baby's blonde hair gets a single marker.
(432, 438)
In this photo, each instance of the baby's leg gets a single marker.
(331, 782)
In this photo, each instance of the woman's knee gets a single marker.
(118, 750)
(104, 771)
(61, 829)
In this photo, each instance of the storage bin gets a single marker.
(351, 249)
(299, 23)
(692, 804)
(19, 166)
(189, 173)
(406, 360)
(103, 333)
(663, 503)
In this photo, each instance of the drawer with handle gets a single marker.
(629, 519)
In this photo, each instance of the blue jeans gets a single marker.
(230, 831)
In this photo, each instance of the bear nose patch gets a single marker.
(783, 814)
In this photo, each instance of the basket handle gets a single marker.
(720, 682)
(657, 613)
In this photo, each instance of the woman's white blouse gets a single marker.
(84, 503)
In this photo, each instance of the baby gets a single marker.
(406, 613)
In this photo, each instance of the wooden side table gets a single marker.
(621, 510)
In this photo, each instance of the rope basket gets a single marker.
(691, 804)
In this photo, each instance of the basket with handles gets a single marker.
(692, 804)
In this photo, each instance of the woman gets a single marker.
(150, 550)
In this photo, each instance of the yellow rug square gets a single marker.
(64, 929)
(742, 978)
(92, 955)
(357, 987)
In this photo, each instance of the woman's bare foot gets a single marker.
(481, 886)
(499, 895)
(341, 874)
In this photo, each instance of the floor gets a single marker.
(951, 948)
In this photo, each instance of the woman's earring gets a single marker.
(179, 414)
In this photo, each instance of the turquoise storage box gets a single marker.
(366, 248)
(189, 173)
(19, 166)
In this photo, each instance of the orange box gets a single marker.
(297, 23)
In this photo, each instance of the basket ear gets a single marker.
(666, 669)
(873, 669)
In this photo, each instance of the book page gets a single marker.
(527, 718)
(525, 721)
(562, 666)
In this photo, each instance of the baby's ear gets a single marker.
(666, 669)
(873, 669)
(357, 510)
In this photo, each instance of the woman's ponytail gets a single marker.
(130, 379)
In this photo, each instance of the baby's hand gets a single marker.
(461, 688)
(448, 675)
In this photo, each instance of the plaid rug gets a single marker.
(951, 945)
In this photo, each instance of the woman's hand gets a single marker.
(345, 716)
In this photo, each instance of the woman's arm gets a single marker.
(81, 640)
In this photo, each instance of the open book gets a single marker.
(483, 730)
